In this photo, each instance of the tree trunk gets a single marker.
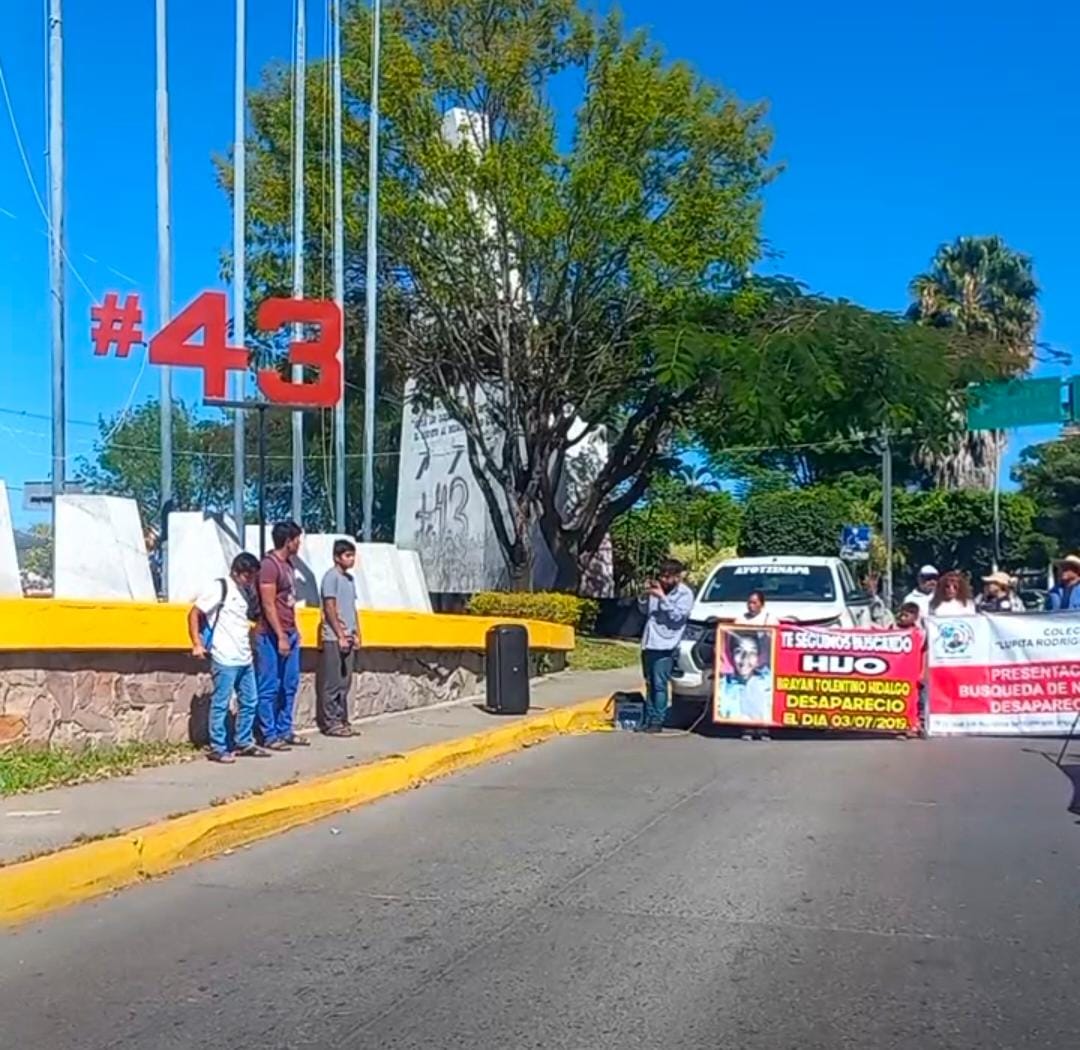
(567, 568)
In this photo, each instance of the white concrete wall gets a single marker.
(201, 549)
(10, 583)
(100, 550)
(315, 559)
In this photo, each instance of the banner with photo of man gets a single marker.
(794, 677)
(1004, 673)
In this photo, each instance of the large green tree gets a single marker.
(269, 261)
(528, 251)
(1049, 475)
(980, 286)
(126, 461)
(811, 384)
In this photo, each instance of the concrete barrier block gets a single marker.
(10, 583)
(100, 550)
(201, 549)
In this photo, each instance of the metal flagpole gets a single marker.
(339, 274)
(371, 290)
(164, 251)
(887, 514)
(239, 261)
(997, 438)
(56, 253)
(299, 98)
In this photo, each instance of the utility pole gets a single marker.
(998, 438)
(56, 255)
(299, 99)
(371, 280)
(164, 252)
(887, 513)
(239, 260)
(339, 274)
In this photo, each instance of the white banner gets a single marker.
(1004, 673)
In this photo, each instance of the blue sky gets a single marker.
(900, 125)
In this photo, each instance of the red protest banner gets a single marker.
(810, 678)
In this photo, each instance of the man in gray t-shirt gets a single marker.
(340, 637)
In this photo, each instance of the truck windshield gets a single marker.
(779, 583)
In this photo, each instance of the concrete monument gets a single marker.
(10, 583)
(100, 550)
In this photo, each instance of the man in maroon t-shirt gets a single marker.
(277, 642)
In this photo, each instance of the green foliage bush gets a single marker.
(568, 609)
(796, 521)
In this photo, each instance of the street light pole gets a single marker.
(164, 253)
(371, 278)
(299, 99)
(339, 274)
(56, 255)
(887, 513)
(239, 259)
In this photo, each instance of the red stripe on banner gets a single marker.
(1046, 687)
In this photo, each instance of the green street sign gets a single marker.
(1014, 403)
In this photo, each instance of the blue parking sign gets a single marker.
(855, 542)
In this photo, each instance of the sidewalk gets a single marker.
(49, 820)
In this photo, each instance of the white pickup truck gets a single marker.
(809, 590)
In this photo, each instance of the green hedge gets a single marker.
(569, 609)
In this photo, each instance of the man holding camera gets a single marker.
(666, 603)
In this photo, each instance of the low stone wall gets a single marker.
(70, 699)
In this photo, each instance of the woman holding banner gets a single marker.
(952, 596)
(756, 614)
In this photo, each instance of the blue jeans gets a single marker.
(656, 664)
(226, 679)
(279, 679)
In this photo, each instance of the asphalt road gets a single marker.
(607, 891)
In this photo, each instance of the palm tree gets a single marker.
(983, 287)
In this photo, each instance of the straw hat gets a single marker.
(1003, 579)
(1071, 561)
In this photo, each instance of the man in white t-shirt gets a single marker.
(219, 624)
(923, 591)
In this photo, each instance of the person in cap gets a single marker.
(1064, 596)
(923, 591)
(998, 595)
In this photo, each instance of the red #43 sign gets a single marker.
(175, 345)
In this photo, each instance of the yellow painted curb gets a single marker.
(36, 886)
(42, 624)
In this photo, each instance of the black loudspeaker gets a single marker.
(507, 670)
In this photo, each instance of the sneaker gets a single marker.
(653, 729)
(297, 741)
(252, 751)
(220, 756)
(766, 735)
(747, 735)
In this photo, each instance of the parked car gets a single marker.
(807, 590)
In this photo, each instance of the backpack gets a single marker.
(206, 627)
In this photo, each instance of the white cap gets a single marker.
(928, 570)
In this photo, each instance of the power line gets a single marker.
(29, 173)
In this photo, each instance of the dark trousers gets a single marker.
(656, 665)
(333, 682)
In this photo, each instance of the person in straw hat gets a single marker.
(1064, 596)
(998, 594)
